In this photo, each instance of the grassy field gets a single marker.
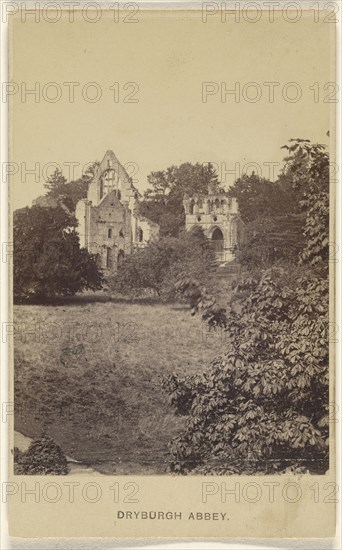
(89, 373)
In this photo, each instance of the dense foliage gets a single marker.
(43, 457)
(163, 201)
(307, 166)
(261, 198)
(158, 266)
(272, 239)
(263, 405)
(273, 217)
(48, 261)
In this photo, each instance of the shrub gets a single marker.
(43, 457)
(264, 403)
(159, 265)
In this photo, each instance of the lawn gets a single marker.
(89, 373)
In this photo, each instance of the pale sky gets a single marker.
(168, 56)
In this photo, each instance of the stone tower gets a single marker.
(219, 218)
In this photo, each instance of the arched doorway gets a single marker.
(217, 235)
(217, 242)
(121, 257)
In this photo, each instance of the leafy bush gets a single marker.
(180, 392)
(265, 401)
(43, 457)
(158, 266)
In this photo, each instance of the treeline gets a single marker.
(44, 235)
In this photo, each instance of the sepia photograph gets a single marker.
(172, 249)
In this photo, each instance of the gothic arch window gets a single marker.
(200, 203)
(217, 204)
(191, 206)
(108, 182)
(110, 233)
(140, 235)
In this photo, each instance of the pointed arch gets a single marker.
(217, 234)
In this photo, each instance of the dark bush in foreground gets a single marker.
(43, 457)
(263, 405)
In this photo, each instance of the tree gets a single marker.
(263, 405)
(43, 457)
(274, 220)
(261, 198)
(272, 239)
(69, 193)
(48, 261)
(163, 201)
(55, 181)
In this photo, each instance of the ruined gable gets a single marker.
(111, 176)
(108, 219)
